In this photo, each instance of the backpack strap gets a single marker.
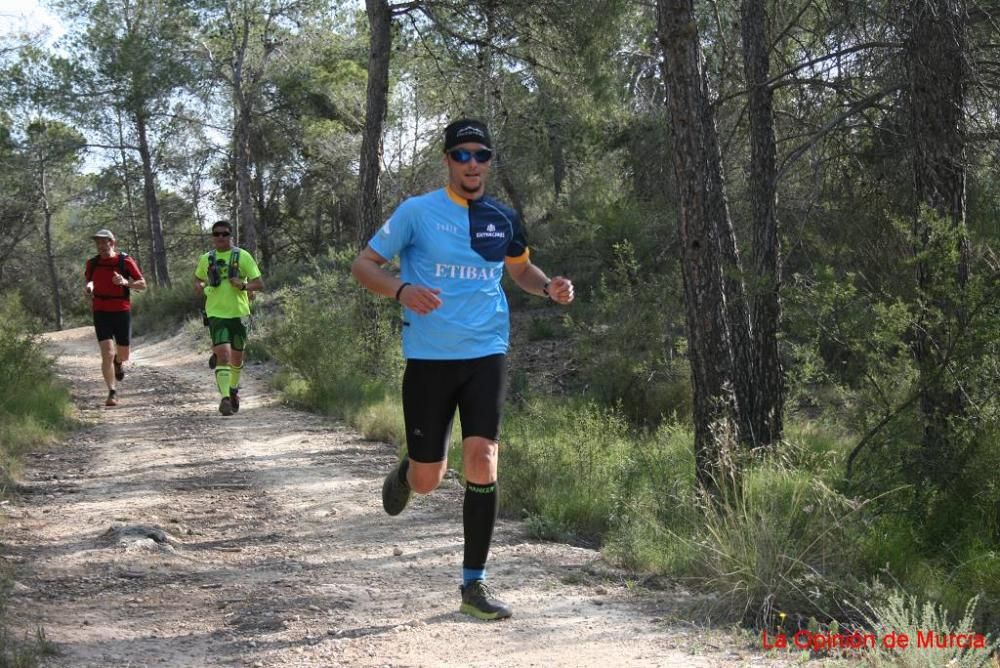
(123, 270)
(212, 272)
(233, 271)
(234, 263)
(92, 265)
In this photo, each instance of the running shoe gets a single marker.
(395, 490)
(479, 601)
(119, 371)
(111, 400)
(226, 406)
(234, 398)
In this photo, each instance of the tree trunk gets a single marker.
(768, 386)
(703, 213)
(937, 77)
(196, 198)
(370, 196)
(127, 187)
(159, 253)
(265, 208)
(370, 200)
(509, 188)
(50, 256)
(246, 219)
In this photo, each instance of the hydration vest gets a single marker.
(214, 276)
(122, 269)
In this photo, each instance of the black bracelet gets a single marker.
(545, 288)
(400, 290)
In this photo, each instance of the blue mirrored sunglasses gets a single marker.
(463, 155)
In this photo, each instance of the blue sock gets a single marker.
(472, 574)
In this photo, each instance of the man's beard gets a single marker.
(472, 190)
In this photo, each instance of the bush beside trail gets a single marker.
(35, 411)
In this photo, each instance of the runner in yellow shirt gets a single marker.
(224, 276)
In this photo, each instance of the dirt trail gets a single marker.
(164, 534)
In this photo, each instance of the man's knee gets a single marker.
(479, 457)
(424, 478)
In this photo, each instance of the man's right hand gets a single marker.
(88, 289)
(419, 299)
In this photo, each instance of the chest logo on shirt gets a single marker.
(489, 238)
(465, 272)
(491, 232)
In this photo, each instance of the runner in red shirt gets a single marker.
(111, 276)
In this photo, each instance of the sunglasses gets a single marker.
(220, 234)
(463, 155)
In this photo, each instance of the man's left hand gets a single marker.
(561, 290)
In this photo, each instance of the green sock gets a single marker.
(234, 376)
(222, 379)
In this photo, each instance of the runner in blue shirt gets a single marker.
(453, 245)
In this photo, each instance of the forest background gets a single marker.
(778, 384)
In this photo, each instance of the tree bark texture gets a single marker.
(703, 212)
(767, 393)
(937, 78)
(127, 188)
(159, 253)
(370, 197)
(246, 217)
(50, 257)
(376, 103)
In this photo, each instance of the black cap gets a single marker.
(466, 130)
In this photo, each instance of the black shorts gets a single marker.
(433, 389)
(115, 325)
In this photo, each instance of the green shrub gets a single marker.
(638, 311)
(899, 613)
(780, 541)
(545, 327)
(159, 311)
(656, 496)
(320, 340)
(561, 459)
(34, 409)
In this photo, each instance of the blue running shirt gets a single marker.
(459, 246)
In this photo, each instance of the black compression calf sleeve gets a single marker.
(479, 515)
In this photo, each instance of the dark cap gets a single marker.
(466, 130)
